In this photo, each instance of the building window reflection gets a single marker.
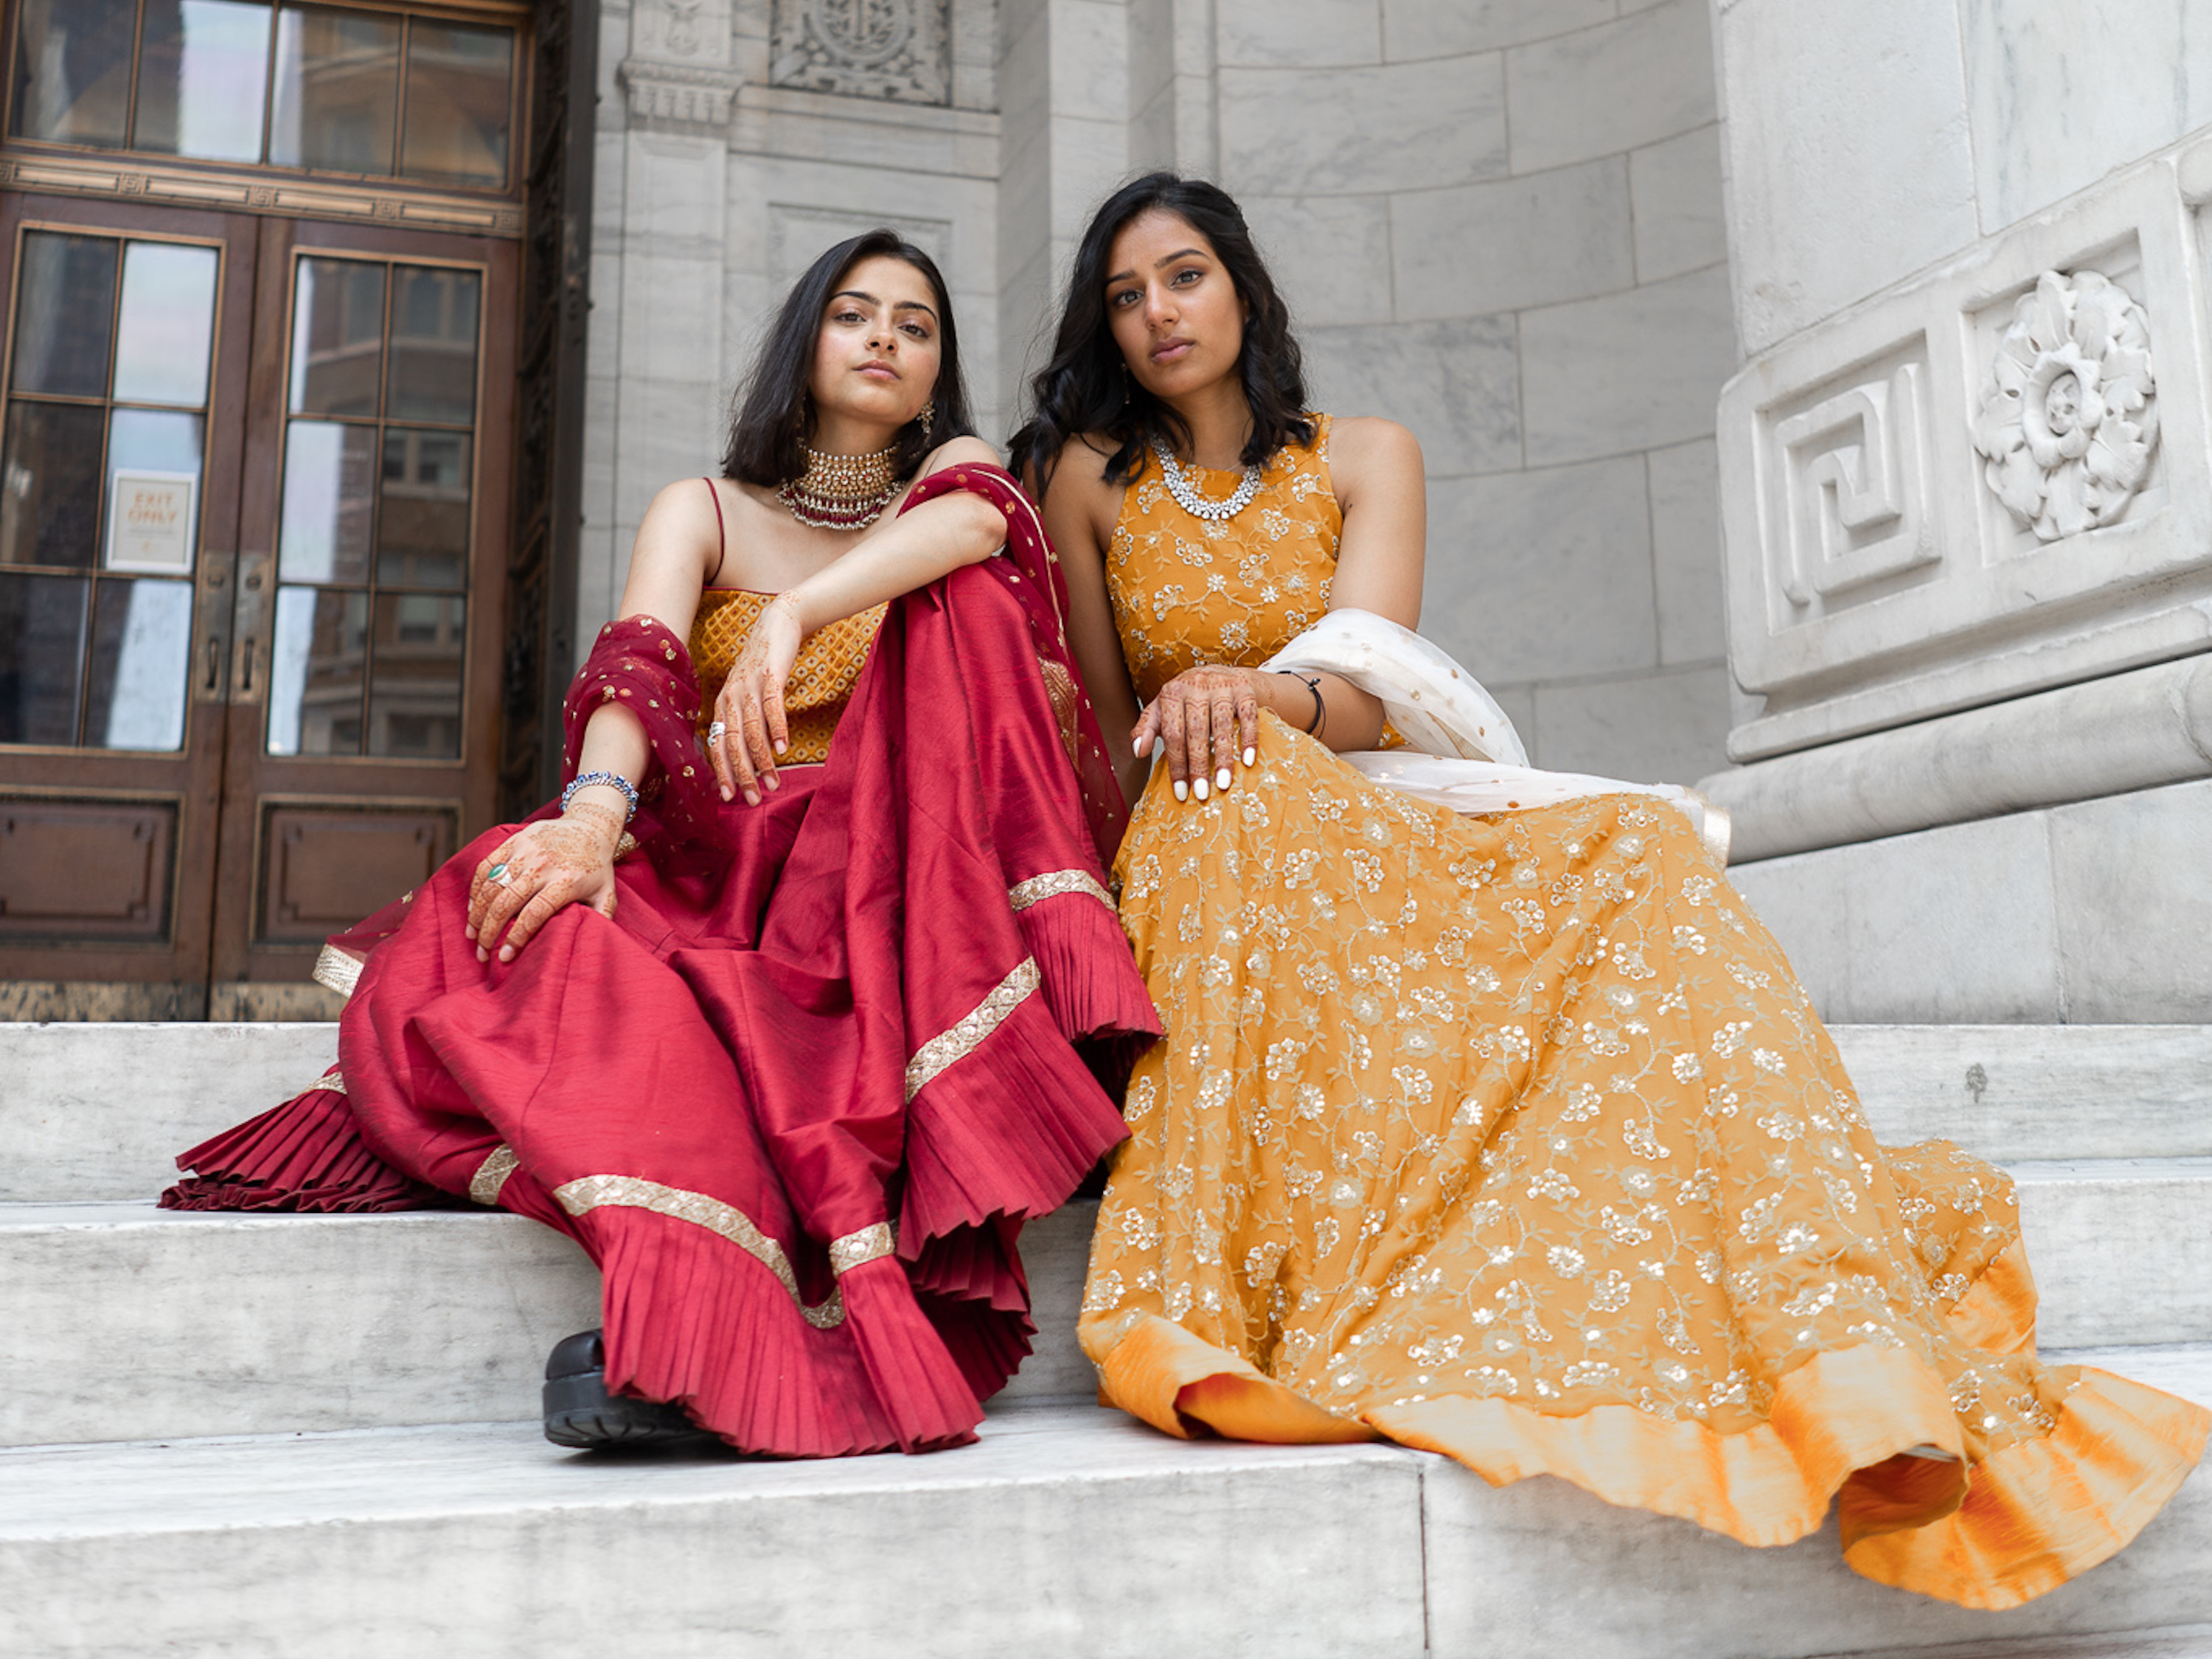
(378, 501)
(324, 88)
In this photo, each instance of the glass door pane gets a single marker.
(102, 466)
(369, 645)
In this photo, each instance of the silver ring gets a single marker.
(498, 873)
(717, 731)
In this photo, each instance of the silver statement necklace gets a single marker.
(1188, 499)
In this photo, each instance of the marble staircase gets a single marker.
(281, 1435)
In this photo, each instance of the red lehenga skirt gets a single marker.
(798, 1097)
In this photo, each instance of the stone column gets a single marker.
(1967, 501)
(656, 387)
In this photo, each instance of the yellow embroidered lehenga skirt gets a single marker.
(1515, 1138)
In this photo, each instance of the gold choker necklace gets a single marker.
(840, 492)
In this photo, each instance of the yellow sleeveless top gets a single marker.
(1188, 590)
(822, 678)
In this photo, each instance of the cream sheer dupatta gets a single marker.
(1466, 755)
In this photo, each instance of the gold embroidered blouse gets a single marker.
(1188, 590)
(822, 678)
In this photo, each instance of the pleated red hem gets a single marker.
(305, 1155)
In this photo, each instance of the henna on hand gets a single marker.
(549, 863)
(1209, 718)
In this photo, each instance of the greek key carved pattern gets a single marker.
(891, 49)
(1855, 483)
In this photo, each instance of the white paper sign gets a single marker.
(149, 522)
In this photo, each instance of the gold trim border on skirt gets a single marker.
(931, 1060)
(491, 1174)
(1052, 884)
(589, 1193)
(337, 971)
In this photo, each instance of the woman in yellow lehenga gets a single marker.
(1489, 1119)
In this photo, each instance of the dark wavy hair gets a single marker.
(773, 417)
(1087, 387)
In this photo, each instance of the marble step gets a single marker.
(1065, 1529)
(219, 1323)
(233, 1324)
(99, 1111)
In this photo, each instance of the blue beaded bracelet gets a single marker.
(612, 780)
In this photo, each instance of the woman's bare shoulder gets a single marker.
(967, 451)
(1363, 444)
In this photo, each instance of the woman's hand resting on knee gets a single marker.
(569, 860)
(1209, 717)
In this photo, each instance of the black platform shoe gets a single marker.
(581, 1414)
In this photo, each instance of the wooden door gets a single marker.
(129, 336)
(361, 744)
(230, 732)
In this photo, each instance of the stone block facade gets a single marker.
(1966, 491)
(1499, 222)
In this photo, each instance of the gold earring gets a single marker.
(928, 418)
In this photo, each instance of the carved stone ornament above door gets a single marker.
(893, 49)
(2069, 417)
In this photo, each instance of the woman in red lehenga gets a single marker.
(781, 1028)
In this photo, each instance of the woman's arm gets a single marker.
(896, 556)
(570, 859)
(1079, 513)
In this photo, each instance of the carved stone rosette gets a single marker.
(893, 49)
(2069, 419)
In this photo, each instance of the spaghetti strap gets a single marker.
(721, 530)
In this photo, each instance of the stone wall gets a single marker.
(1966, 486)
(734, 146)
(1498, 222)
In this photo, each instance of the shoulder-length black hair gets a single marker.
(1087, 387)
(774, 414)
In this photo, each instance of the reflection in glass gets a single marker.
(141, 642)
(459, 81)
(41, 654)
(73, 71)
(433, 345)
(330, 502)
(64, 306)
(203, 71)
(164, 330)
(155, 440)
(50, 484)
(415, 699)
(337, 337)
(423, 526)
(317, 655)
(337, 90)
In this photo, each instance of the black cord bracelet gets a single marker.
(1313, 685)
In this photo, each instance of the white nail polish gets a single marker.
(1182, 790)
(1137, 748)
(1221, 779)
(1201, 787)
(1251, 757)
